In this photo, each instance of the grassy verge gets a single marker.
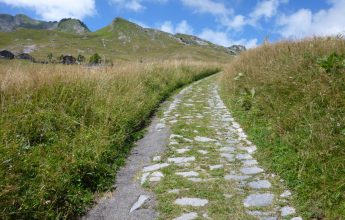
(290, 98)
(65, 130)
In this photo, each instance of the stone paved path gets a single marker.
(209, 170)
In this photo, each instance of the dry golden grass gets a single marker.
(65, 130)
(294, 111)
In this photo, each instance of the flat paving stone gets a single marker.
(297, 218)
(249, 162)
(287, 210)
(157, 158)
(187, 216)
(141, 200)
(236, 177)
(259, 200)
(286, 194)
(227, 149)
(155, 167)
(203, 139)
(251, 170)
(203, 152)
(229, 157)
(216, 167)
(188, 174)
(244, 157)
(181, 159)
(261, 184)
(182, 151)
(196, 202)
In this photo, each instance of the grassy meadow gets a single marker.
(290, 98)
(65, 130)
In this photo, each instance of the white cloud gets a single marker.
(222, 38)
(183, 27)
(266, 8)
(207, 6)
(306, 23)
(56, 9)
(134, 5)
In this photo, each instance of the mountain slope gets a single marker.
(120, 40)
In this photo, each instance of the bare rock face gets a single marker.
(236, 49)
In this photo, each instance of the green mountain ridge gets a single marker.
(120, 40)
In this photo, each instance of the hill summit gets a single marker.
(10, 23)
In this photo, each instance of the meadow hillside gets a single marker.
(290, 98)
(65, 130)
(121, 40)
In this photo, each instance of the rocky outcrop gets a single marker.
(236, 49)
(72, 26)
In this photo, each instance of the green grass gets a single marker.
(66, 130)
(290, 98)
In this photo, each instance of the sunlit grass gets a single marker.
(290, 98)
(65, 130)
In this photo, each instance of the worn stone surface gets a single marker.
(259, 200)
(187, 216)
(251, 170)
(287, 210)
(261, 184)
(141, 200)
(181, 159)
(191, 202)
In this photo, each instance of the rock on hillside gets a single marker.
(71, 25)
(10, 23)
(236, 49)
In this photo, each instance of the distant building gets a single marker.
(68, 60)
(25, 56)
(5, 54)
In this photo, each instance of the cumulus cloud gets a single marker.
(263, 9)
(56, 9)
(183, 27)
(207, 6)
(222, 38)
(304, 22)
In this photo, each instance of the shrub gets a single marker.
(95, 59)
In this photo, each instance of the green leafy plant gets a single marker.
(80, 58)
(50, 57)
(95, 59)
(332, 62)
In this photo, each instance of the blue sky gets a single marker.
(224, 22)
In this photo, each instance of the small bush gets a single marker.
(95, 59)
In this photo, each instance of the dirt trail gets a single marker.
(196, 163)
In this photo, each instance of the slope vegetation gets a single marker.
(290, 97)
(121, 40)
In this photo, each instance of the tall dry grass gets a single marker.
(294, 111)
(65, 130)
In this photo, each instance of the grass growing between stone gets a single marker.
(66, 130)
(290, 99)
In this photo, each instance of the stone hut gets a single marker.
(5, 54)
(25, 56)
(68, 60)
